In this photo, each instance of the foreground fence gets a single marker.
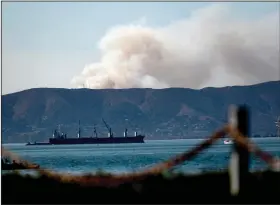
(238, 128)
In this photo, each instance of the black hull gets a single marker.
(113, 140)
(91, 140)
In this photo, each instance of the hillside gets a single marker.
(160, 114)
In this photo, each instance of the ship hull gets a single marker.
(91, 140)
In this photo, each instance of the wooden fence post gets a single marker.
(239, 164)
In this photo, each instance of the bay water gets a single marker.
(120, 158)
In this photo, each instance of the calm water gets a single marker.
(130, 157)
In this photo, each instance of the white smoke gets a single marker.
(210, 48)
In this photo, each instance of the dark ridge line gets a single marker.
(123, 89)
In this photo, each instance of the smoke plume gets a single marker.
(212, 47)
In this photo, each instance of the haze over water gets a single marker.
(120, 158)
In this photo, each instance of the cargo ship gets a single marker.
(60, 138)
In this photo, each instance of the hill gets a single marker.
(32, 115)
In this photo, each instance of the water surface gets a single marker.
(130, 157)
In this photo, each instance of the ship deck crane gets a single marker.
(109, 129)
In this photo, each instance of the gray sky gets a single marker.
(129, 44)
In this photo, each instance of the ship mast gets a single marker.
(109, 129)
(125, 132)
(79, 130)
(95, 132)
(278, 126)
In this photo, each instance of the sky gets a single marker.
(138, 44)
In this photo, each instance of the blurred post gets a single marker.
(239, 164)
